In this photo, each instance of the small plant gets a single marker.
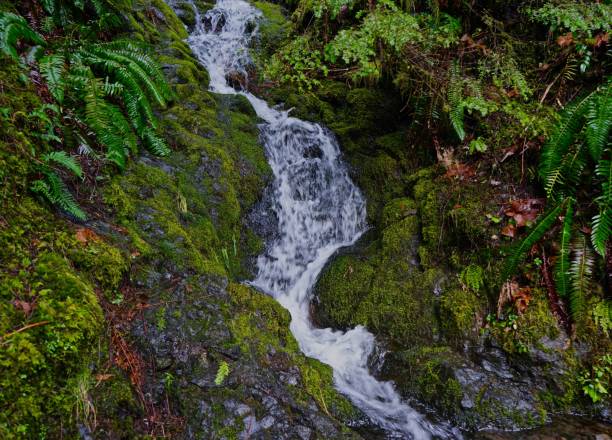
(222, 373)
(169, 380)
(473, 277)
(580, 138)
(53, 188)
(596, 382)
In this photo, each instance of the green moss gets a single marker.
(397, 210)
(273, 28)
(430, 377)
(103, 262)
(39, 366)
(458, 309)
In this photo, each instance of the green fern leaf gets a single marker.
(581, 271)
(555, 150)
(52, 69)
(63, 159)
(14, 28)
(563, 263)
(55, 191)
(536, 233)
(599, 120)
(455, 101)
(602, 222)
(154, 143)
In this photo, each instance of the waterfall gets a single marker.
(319, 210)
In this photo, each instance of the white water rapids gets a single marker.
(319, 210)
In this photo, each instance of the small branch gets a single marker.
(26, 327)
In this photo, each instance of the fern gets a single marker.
(581, 271)
(222, 373)
(562, 277)
(455, 101)
(554, 151)
(52, 69)
(54, 190)
(599, 119)
(63, 159)
(154, 143)
(14, 28)
(538, 231)
(602, 222)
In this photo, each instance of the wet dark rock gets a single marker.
(214, 24)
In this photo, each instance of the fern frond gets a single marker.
(127, 60)
(55, 191)
(63, 159)
(13, 28)
(536, 233)
(555, 149)
(581, 271)
(599, 120)
(455, 98)
(562, 266)
(563, 181)
(99, 116)
(602, 222)
(137, 54)
(154, 143)
(52, 69)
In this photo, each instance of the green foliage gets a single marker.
(562, 265)
(106, 90)
(52, 68)
(580, 272)
(222, 373)
(473, 277)
(14, 28)
(536, 233)
(66, 12)
(298, 63)
(596, 383)
(579, 17)
(455, 101)
(582, 135)
(52, 187)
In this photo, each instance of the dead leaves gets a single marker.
(512, 293)
(460, 171)
(523, 212)
(85, 235)
(565, 40)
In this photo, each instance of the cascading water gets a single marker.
(319, 209)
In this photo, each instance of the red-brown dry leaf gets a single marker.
(601, 39)
(509, 231)
(521, 299)
(24, 306)
(460, 171)
(512, 93)
(85, 235)
(103, 377)
(524, 211)
(565, 40)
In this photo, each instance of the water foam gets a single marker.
(319, 210)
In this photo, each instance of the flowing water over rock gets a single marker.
(319, 210)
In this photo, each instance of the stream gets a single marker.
(319, 210)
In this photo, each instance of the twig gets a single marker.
(25, 327)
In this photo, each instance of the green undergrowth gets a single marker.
(51, 320)
(184, 213)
